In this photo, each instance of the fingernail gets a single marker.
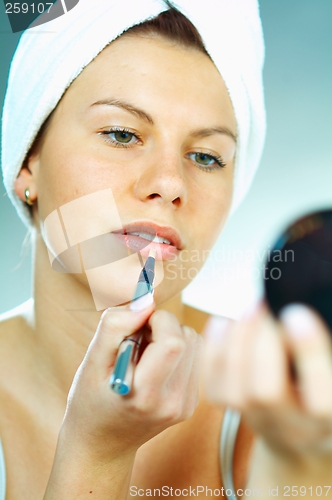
(216, 328)
(251, 310)
(141, 303)
(299, 320)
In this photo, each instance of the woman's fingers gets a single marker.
(115, 324)
(225, 362)
(250, 368)
(243, 366)
(168, 369)
(163, 354)
(310, 344)
(266, 383)
(217, 333)
(170, 344)
(166, 376)
(194, 373)
(184, 379)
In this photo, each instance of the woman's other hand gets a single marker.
(279, 375)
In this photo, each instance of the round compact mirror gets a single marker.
(299, 267)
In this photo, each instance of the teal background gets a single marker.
(296, 169)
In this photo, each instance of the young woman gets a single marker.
(153, 133)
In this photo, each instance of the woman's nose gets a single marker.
(163, 181)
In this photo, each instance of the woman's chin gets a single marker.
(114, 284)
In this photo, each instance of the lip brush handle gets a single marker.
(122, 377)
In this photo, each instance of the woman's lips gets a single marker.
(137, 236)
(136, 243)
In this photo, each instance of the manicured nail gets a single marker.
(299, 320)
(251, 310)
(216, 328)
(141, 303)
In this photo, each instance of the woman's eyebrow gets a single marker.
(127, 106)
(205, 132)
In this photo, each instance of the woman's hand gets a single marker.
(104, 429)
(279, 374)
(165, 386)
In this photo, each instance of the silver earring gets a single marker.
(27, 197)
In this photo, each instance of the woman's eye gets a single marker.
(120, 137)
(204, 159)
(208, 161)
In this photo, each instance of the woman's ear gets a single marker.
(25, 186)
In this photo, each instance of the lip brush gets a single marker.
(126, 360)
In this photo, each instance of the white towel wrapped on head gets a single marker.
(49, 57)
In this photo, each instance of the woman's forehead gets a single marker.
(153, 72)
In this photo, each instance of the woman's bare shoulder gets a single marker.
(14, 357)
(19, 313)
(12, 325)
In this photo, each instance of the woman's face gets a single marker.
(148, 131)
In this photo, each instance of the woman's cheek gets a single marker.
(214, 213)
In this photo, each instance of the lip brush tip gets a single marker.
(152, 252)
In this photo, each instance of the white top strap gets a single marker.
(229, 430)
(2, 474)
